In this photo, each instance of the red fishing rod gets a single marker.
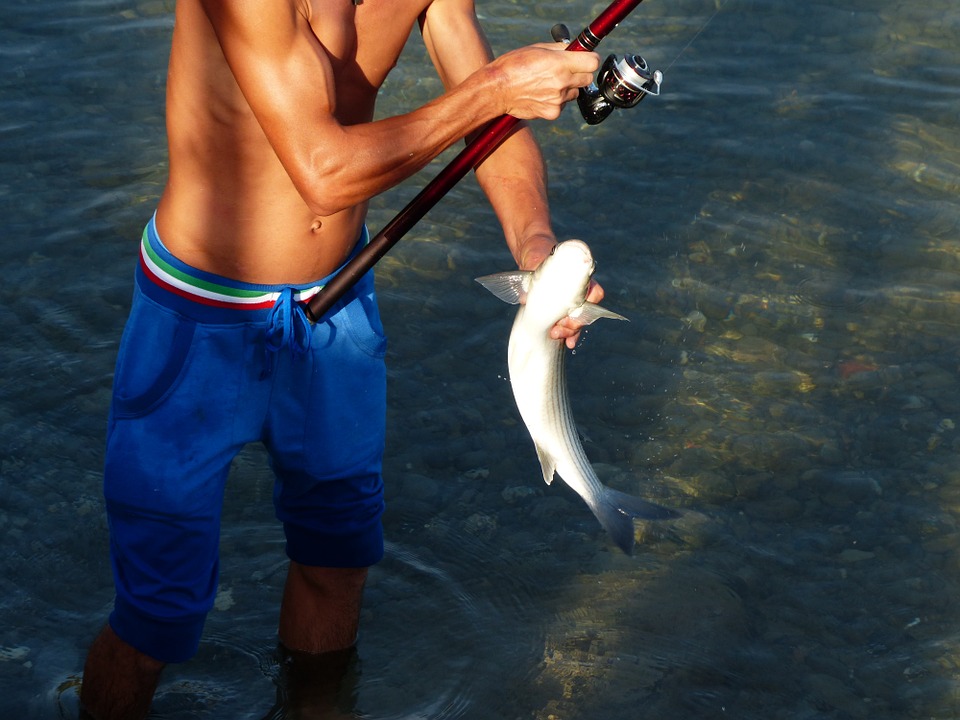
(620, 83)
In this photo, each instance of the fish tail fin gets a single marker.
(616, 511)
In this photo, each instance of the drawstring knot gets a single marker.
(287, 326)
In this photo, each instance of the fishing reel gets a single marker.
(620, 83)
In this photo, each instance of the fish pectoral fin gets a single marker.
(511, 287)
(547, 464)
(590, 312)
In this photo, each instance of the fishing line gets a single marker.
(723, 4)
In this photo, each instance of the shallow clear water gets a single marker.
(782, 226)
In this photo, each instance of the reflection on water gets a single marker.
(780, 225)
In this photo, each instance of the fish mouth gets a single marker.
(569, 250)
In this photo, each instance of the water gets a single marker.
(781, 226)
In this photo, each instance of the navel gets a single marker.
(315, 227)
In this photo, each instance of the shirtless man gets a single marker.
(274, 155)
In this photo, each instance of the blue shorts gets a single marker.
(206, 365)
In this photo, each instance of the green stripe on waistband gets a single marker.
(193, 281)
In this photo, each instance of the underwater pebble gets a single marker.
(480, 525)
(848, 487)
(752, 485)
(419, 487)
(551, 506)
(831, 454)
(224, 600)
(652, 453)
(696, 321)
(513, 495)
(946, 543)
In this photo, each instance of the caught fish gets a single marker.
(536, 361)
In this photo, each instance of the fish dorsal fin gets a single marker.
(590, 312)
(511, 287)
(547, 464)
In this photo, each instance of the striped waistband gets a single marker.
(166, 272)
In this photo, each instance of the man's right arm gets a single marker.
(287, 79)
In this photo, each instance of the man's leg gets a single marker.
(118, 680)
(316, 687)
(319, 618)
(326, 446)
(321, 608)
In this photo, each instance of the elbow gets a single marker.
(327, 186)
(333, 181)
(326, 195)
(325, 204)
(331, 167)
(323, 181)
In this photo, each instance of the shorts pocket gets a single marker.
(361, 319)
(153, 353)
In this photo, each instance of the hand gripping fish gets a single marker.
(536, 361)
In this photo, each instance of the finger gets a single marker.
(594, 292)
(585, 62)
(581, 80)
(565, 328)
(569, 336)
(575, 62)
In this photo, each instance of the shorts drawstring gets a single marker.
(287, 325)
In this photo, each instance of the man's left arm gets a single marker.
(514, 176)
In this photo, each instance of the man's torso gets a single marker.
(229, 206)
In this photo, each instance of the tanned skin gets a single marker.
(274, 156)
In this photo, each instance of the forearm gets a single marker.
(352, 163)
(514, 178)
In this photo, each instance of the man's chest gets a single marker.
(363, 41)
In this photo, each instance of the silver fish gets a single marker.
(536, 362)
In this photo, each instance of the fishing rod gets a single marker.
(620, 84)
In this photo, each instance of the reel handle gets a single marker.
(560, 33)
